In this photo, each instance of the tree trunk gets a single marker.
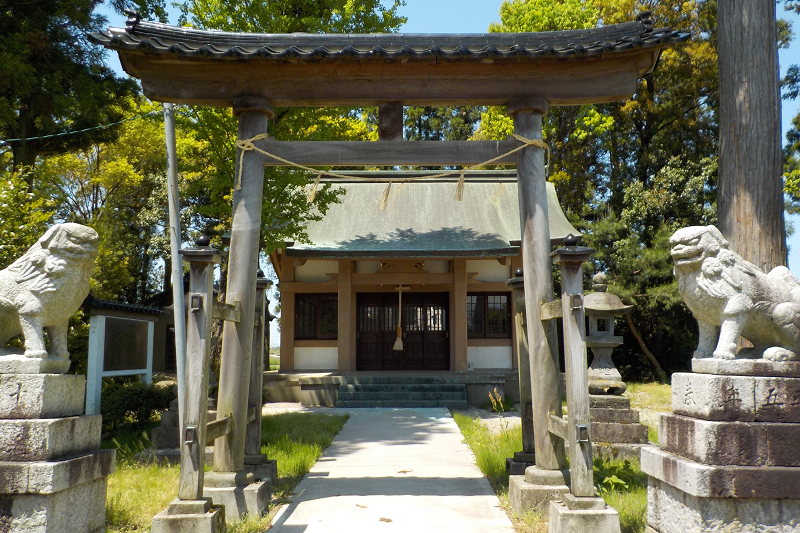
(750, 190)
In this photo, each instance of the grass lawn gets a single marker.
(622, 485)
(137, 492)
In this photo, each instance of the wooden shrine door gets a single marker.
(426, 342)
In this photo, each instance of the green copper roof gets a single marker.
(423, 219)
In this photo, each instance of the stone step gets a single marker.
(403, 404)
(398, 387)
(608, 402)
(402, 396)
(401, 380)
(619, 433)
(622, 416)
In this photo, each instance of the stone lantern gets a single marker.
(601, 308)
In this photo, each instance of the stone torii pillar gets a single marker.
(237, 338)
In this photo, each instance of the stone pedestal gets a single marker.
(572, 514)
(516, 466)
(728, 454)
(616, 431)
(52, 472)
(238, 492)
(536, 489)
(190, 516)
(261, 467)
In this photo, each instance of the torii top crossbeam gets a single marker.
(190, 66)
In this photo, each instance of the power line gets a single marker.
(101, 127)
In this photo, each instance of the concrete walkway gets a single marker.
(395, 470)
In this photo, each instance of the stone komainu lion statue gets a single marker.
(730, 297)
(44, 288)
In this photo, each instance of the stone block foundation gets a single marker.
(52, 472)
(728, 460)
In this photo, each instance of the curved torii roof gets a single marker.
(186, 65)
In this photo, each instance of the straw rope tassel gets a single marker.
(384, 200)
(460, 188)
(398, 343)
(313, 192)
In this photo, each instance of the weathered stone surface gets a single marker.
(46, 439)
(526, 496)
(747, 367)
(730, 297)
(721, 481)
(266, 469)
(79, 508)
(43, 289)
(731, 443)
(620, 416)
(621, 433)
(48, 477)
(618, 450)
(598, 401)
(14, 363)
(41, 395)
(736, 398)
(670, 510)
(565, 520)
(169, 521)
(252, 500)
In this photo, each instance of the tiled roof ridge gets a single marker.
(163, 38)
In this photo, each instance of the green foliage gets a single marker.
(624, 487)
(490, 450)
(546, 15)
(23, 216)
(54, 80)
(131, 405)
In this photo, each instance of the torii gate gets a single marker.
(253, 73)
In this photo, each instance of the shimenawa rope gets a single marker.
(246, 145)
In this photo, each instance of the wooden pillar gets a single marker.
(201, 261)
(750, 189)
(459, 312)
(345, 303)
(574, 320)
(390, 121)
(252, 447)
(523, 367)
(535, 232)
(287, 316)
(237, 338)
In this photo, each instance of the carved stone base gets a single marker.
(41, 395)
(597, 520)
(19, 364)
(252, 499)
(536, 489)
(736, 398)
(671, 510)
(730, 443)
(189, 516)
(746, 367)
